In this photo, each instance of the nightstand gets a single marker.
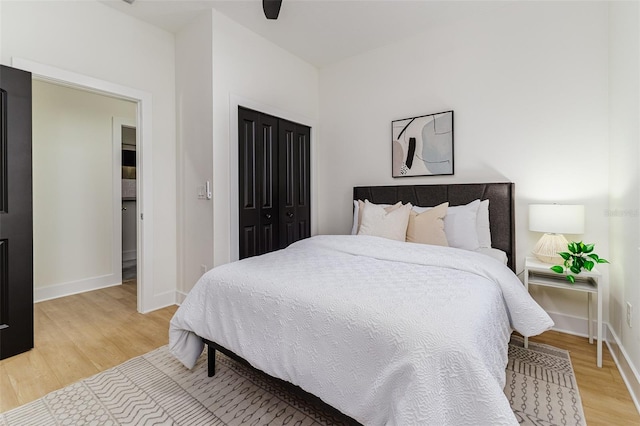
(538, 273)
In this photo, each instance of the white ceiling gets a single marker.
(319, 31)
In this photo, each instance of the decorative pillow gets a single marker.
(428, 227)
(355, 225)
(482, 225)
(379, 222)
(358, 206)
(460, 226)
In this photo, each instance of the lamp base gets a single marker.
(548, 246)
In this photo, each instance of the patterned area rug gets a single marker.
(157, 389)
(541, 385)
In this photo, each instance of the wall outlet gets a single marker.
(203, 268)
(629, 314)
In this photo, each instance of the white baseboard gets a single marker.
(180, 296)
(159, 301)
(40, 294)
(627, 370)
(578, 326)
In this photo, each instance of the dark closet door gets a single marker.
(258, 177)
(16, 214)
(295, 177)
(274, 182)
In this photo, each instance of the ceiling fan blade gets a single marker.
(271, 8)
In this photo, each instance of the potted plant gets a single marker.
(580, 256)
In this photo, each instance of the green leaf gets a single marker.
(593, 256)
(574, 269)
(557, 268)
(573, 247)
(588, 265)
(571, 279)
(578, 262)
(601, 260)
(581, 247)
(589, 248)
(564, 255)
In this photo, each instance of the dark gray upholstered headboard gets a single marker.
(500, 196)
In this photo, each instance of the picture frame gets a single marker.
(422, 145)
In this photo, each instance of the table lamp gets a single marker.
(554, 220)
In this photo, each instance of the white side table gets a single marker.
(538, 273)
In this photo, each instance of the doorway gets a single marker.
(147, 299)
(124, 134)
(76, 187)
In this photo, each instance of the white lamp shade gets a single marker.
(556, 218)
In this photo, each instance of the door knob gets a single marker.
(123, 208)
(289, 214)
(268, 216)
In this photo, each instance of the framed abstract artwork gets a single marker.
(423, 146)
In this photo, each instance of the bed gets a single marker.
(387, 332)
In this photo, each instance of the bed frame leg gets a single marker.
(211, 360)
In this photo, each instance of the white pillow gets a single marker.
(356, 209)
(357, 215)
(378, 222)
(482, 225)
(460, 226)
(483, 229)
(464, 237)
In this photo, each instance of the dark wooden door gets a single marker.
(295, 176)
(16, 213)
(258, 177)
(274, 182)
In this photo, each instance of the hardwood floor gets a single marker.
(605, 398)
(81, 335)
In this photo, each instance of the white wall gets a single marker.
(73, 238)
(249, 70)
(220, 63)
(624, 103)
(194, 95)
(528, 85)
(94, 40)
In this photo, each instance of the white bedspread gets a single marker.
(389, 333)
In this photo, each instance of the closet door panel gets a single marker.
(257, 179)
(268, 169)
(303, 200)
(289, 172)
(248, 155)
(274, 182)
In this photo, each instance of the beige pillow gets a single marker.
(379, 222)
(386, 207)
(428, 227)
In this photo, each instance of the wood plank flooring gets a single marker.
(605, 398)
(78, 336)
(81, 335)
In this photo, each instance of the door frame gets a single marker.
(144, 166)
